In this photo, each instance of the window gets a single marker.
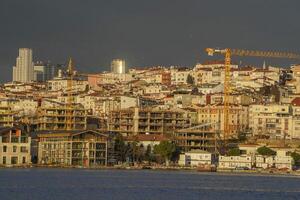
(24, 160)
(23, 150)
(4, 148)
(14, 149)
(4, 160)
(14, 160)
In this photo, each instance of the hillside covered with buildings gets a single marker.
(126, 115)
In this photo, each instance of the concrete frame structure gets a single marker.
(55, 118)
(135, 121)
(7, 116)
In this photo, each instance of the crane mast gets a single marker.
(227, 79)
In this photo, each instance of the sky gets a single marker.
(144, 32)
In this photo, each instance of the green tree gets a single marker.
(265, 151)
(234, 152)
(296, 157)
(120, 148)
(242, 136)
(148, 154)
(190, 80)
(165, 149)
(138, 152)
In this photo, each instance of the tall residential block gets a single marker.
(23, 71)
(118, 66)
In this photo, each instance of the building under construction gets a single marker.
(135, 121)
(201, 137)
(62, 118)
(7, 117)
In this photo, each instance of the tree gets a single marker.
(120, 148)
(138, 152)
(265, 151)
(165, 149)
(190, 80)
(234, 152)
(296, 157)
(242, 136)
(148, 154)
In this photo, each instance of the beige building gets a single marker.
(14, 147)
(72, 148)
(238, 117)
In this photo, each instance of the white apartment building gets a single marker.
(60, 84)
(275, 121)
(23, 71)
(210, 72)
(179, 76)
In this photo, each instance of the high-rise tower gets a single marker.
(118, 66)
(23, 71)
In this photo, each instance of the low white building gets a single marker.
(232, 162)
(61, 84)
(196, 158)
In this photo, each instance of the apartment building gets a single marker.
(180, 75)
(60, 84)
(274, 121)
(14, 146)
(238, 117)
(86, 148)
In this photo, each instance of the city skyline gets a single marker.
(143, 33)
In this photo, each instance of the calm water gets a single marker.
(44, 184)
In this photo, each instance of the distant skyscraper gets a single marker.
(23, 71)
(44, 71)
(118, 66)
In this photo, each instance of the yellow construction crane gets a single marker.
(70, 98)
(227, 88)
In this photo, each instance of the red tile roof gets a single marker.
(147, 137)
(296, 101)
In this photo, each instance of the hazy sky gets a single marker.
(144, 32)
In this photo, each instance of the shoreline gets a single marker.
(219, 171)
